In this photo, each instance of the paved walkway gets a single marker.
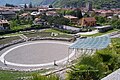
(87, 33)
(23, 37)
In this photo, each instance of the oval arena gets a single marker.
(34, 54)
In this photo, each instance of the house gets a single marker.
(35, 13)
(104, 13)
(25, 15)
(30, 9)
(72, 19)
(8, 14)
(13, 9)
(37, 21)
(42, 9)
(4, 25)
(89, 21)
(107, 13)
(51, 13)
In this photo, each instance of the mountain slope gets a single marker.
(17, 2)
(45, 2)
(79, 3)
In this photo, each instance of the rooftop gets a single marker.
(89, 19)
(70, 17)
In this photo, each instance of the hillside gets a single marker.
(17, 2)
(96, 3)
(67, 3)
(45, 2)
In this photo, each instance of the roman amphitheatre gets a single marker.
(37, 54)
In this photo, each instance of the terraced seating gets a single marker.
(91, 43)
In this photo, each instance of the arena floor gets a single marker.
(35, 54)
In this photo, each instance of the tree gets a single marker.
(97, 66)
(86, 69)
(25, 6)
(9, 5)
(116, 24)
(30, 5)
(78, 13)
(50, 6)
(100, 19)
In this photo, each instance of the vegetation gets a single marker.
(100, 19)
(55, 20)
(97, 66)
(99, 34)
(41, 77)
(17, 75)
(54, 31)
(8, 39)
(77, 12)
(30, 5)
(96, 3)
(47, 33)
(115, 23)
(50, 6)
(9, 5)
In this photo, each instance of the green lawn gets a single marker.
(117, 40)
(99, 34)
(9, 39)
(54, 31)
(20, 27)
(11, 35)
(14, 75)
(47, 33)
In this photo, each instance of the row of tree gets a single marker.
(55, 20)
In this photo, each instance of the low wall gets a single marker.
(33, 39)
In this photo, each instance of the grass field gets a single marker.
(99, 34)
(15, 75)
(8, 39)
(47, 34)
(54, 31)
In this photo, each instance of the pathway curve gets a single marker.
(87, 33)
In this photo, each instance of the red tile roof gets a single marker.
(89, 19)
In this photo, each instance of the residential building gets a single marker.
(89, 21)
(4, 25)
(8, 14)
(104, 13)
(72, 19)
(52, 13)
(35, 13)
(31, 9)
(25, 15)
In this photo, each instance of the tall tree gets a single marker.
(78, 13)
(25, 6)
(50, 6)
(30, 5)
